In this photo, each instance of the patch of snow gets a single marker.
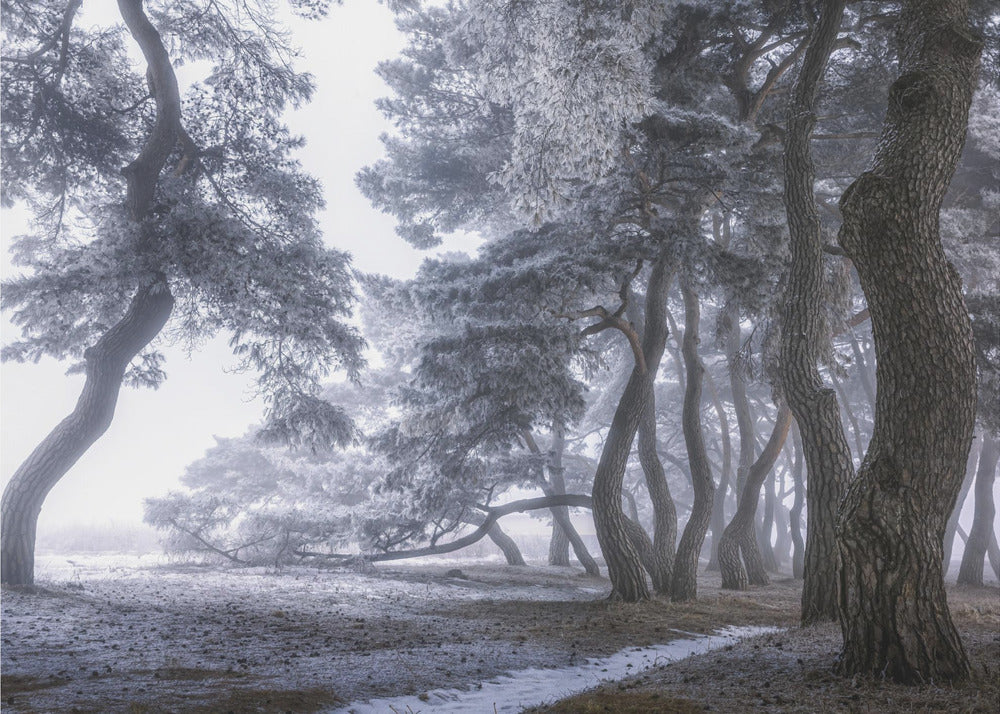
(530, 687)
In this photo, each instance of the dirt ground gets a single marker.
(95, 636)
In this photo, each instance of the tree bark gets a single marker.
(739, 534)
(956, 512)
(628, 582)
(795, 514)
(506, 545)
(685, 585)
(893, 609)
(558, 546)
(766, 527)
(109, 357)
(974, 557)
(718, 522)
(829, 466)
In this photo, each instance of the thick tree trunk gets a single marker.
(829, 466)
(956, 512)
(893, 609)
(739, 534)
(106, 362)
(506, 545)
(628, 583)
(974, 557)
(558, 546)
(685, 585)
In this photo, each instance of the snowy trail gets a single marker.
(530, 687)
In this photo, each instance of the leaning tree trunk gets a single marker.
(974, 557)
(561, 514)
(559, 545)
(106, 364)
(829, 466)
(894, 612)
(107, 360)
(628, 582)
(956, 512)
(685, 585)
(506, 545)
(739, 534)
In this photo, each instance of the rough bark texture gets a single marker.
(739, 534)
(628, 582)
(829, 467)
(558, 546)
(685, 585)
(974, 557)
(108, 358)
(952, 527)
(893, 610)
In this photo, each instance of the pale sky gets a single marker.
(156, 433)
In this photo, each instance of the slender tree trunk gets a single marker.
(739, 534)
(894, 612)
(848, 415)
(661, 565)
(956, 512)
(766, 530)
(506, 545)
(628, 582)
(974, 557)
(993, 551)
(107, 360)
(783, 542)
(829, 466)
(718, 523)
(795, 514)
(685, 585)
(559, 545)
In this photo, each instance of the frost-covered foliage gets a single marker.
(232, 224)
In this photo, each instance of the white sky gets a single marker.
(155, 434)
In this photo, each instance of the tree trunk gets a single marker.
(766, 529)
(829, 466)
(558, 546)
(506, 545)
(974, 557)
(956, 512)
(685, 585)
(108, 358)
(894, 612)
(628, 583)
(718, 522)
(106, 362)
(739, 534)
(993, 551)
(661, 565)
(795, 514)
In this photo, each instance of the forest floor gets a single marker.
(117, 635)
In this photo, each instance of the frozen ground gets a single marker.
(130, 634)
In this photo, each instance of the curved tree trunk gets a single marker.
(956, 512)
(739, 534)
(661, 565)
(894, 612)
(49, 462)
(765, 529)
(829, 466)
(685, 585)
(628, 582)
(109, 357)
(560, 514)
(974, 557)
(506, 545)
